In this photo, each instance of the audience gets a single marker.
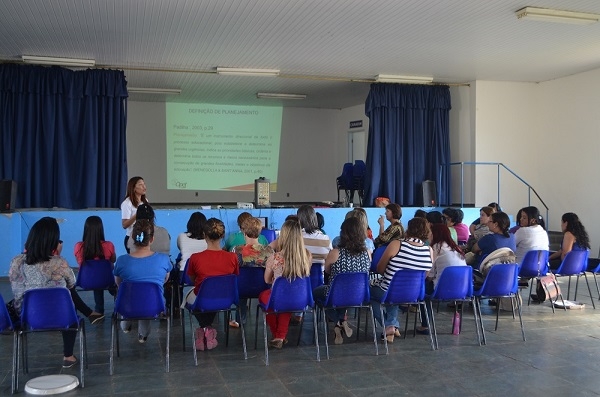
(575, 238)
(38, 267)
(143, 264)
(211, 262)
(351, 255)
(291, 260)
(93, 247)
(454, 218)
(361, 216)
(395, 231)
(237, 238)
(161, 238)
(410, 253)
(192, 240)
(532, 234)
(499, 238)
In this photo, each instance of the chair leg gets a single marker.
(82, 354)
(520, 317)
(478, 307)
(226, 318)
(168, 348)
(432, 328)
(427, 322)
(325, 330)
(497, 312)
(374, 333)
(244, 339)
(387, 352)
(112, 343)
(531, 290)
(316, 333)
(193, 340)
(265, 336)
(597, 288)
(476, 321)
(589, 290)
(256, 328)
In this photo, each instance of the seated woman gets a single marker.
(290, 261)
(237, 238)
(495, 206)
(454, 218)
(350, 256)
(436, 218)
(94, 247)
(362, 217)
(446, 253)
(161, 238)
(192, 240)
(38, 268)
(575, 238)
(531, 235)
(252, 254)
(481, 229)
(211, 262)
(395, 231)
(142, 264)
(500, 237)
(411, 253)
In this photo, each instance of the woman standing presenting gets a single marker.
(136, 194)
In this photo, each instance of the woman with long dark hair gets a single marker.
(92, 247)
(575, 238)
(136, 195)
(351, 255)
(39, 267)
(446, 253)
(531, 234)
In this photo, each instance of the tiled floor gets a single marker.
(559, 358)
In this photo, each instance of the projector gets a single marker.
(247, 206)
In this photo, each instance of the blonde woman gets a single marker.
(291, 261)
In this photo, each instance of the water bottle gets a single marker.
(456, 323)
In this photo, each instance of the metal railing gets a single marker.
(499, 167)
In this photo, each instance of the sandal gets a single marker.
(390, 332)
(346, 328)
(276, 343)
(338, 335)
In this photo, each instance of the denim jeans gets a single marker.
(390, 311)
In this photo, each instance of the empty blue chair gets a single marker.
(138, 301)
(8, 328)
(455, 284)
(346, 291)
(574, 264)
(51, 309)
(269, 234)
(251, 282)
(406, 288)
(216, 294)
(533, 266)
(288, 297)
(344, 182)
(501, 282)
(358, 178)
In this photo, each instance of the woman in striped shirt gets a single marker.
(410, 253)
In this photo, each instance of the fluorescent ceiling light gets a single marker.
(74, 62)
(550, 15)
(392, 78)
(164, 91)
(247, 72)
(273, 95)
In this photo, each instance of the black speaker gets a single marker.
(429, 194)
(8, 195)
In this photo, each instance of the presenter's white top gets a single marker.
(188, 246)
(530, 238)
(318, 244)
(127, 211)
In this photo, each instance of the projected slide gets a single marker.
(221, 147)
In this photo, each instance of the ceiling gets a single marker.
(320, 46)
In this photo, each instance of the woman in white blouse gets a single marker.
(532, 234)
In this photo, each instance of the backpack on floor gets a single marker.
(547, 288)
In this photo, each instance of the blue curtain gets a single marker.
(408, 140)
(62, 134)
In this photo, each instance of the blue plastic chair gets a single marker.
(251, 282)
(183, 282)
(455, 284)
(137, 300)
(344, 182)
(406, 288)
(269, 234)
(377, 254)
(288, 297)
(574, 264)
(96, 275)
(7, 327)
(51, 309)
(358, 179)
(595, 271)
(317, 278)
(501, 282)
(216, 294)
(534, 266)
(348, 290)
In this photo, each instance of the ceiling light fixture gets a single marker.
(273, 95)
(550, 15)
(247, 72)
(163, 91)
(73, 62)
(392, 78)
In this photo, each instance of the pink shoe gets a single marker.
(200, 338)
(211, 337)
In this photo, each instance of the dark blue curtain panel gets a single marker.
(62, 136)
